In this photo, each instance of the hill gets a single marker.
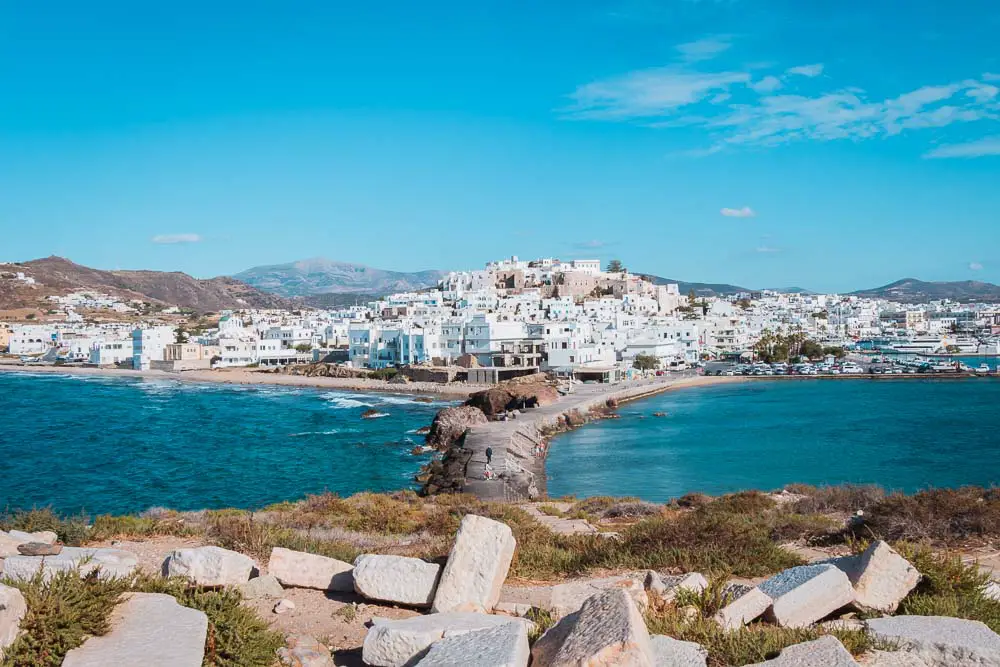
(911, 290)
(323, 276)
(56, 275)
(700, 289)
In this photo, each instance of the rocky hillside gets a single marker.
(56, 275)
(911, 290)
(315, 276)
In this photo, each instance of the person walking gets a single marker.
(489, 455)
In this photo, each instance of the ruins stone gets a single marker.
(43, 536)
(304, 570)
(477, 566)
(940, 641)
(148, 629)
(304, 651)
(113, 563)
(747, 603)
(608, 630)
(803, 595)
(823, 652)
(261, 588)
(667, 588)
(880, 576)
(12, 610)
(209, 566)
(397, 579)
(397, 643)
(670, 652)
(502, 646)
(39, 549)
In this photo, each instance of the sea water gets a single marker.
(113, 445)
(902, 434)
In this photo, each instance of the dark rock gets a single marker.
(450, 425)
(39, 549)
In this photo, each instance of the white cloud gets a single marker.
(704, 49)
(764, 249)
(591, 245)
(745, 212)
(169, 239)
(989, 76)
(978, 148)
(806, 70)
(768, 84)
(975, 266)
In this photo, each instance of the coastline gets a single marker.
(251, 377)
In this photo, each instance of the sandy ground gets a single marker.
(244, 376)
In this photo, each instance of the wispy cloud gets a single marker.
(979, 148)
(170, 239)
(590, 245)
(975, 266)
(806, 70)
(704, 49)
(745, 212)
(766, 250)
(737, 108)
(989, 76)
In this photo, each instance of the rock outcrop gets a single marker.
(529, 391)
(209, 566)
(398, 579)
(477, 566)
(450, 424)
(148, 629)
(303, 570)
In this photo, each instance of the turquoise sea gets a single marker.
(100, 444)
(905, 435)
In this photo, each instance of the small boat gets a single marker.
(983, 369)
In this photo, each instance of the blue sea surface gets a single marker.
(115, 445)
(904, 435)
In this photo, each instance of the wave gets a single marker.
(344, 401)
(332, 431)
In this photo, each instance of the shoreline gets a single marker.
(264, 378)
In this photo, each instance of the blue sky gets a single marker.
(767, 143)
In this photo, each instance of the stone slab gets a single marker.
(806, 594)
(209, 566)
(394, 643)
(43, 536)
(747, 604)
(670, 652)
(880, 576)
(304, 570)
(477, 566)
(12, 610)
(398, 579)
(564, 599)
(147, 630)
(502, 646)
(941, 641)
(823, 652)
(113, 563)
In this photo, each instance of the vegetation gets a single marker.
(615, 266)
(383, 373)
(646, 362)
(303, 347)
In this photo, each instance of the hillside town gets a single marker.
(574, 318)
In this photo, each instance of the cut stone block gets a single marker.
(396, 579)
(608, 630)
(304, 570)
(992, 591)
(823, 652)
(477, 566)
(667, 588)
(670, 652)
(43, 536)
(397, 643)
(209, 566)
(941, 641)
(304, 651)
(806, 594)
(880, 576)
(147, 629)
(8, 545)
(563, 599)
(266, 587)
(503, 646)
(113, 563)
(748, 603)
(12, 610)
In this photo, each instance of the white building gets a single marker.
(148, 344)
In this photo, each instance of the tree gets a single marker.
(811, 349)
(646, 362)
(692, 297)
(615, 266)
(838, 352)
(303, 347)
(744, 304)
(181, 335)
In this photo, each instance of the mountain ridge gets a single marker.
(912, 290)
(318, 275)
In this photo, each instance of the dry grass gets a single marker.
(942, 516)
(843, 498)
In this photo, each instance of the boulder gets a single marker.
(39, 549)
(524, 392)
(113, 563)
(209, 566)
(12, 610)
(396, 579)
(670, 652)
(803, 595)
(940, 641)
(148, 629)
(666, 588)
(880, 576)
(8, 545)
(396, 643)
(304, 570)
(746, 603)
(502, 646)
(991, 591)
(823, 652)
(304, 651)
(477, 566)
(608, 630)
(450, 425)
(43, 536)
(266, 587)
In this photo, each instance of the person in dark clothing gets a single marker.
(489, 455)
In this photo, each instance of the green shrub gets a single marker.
(71, 531)
(944, 516)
